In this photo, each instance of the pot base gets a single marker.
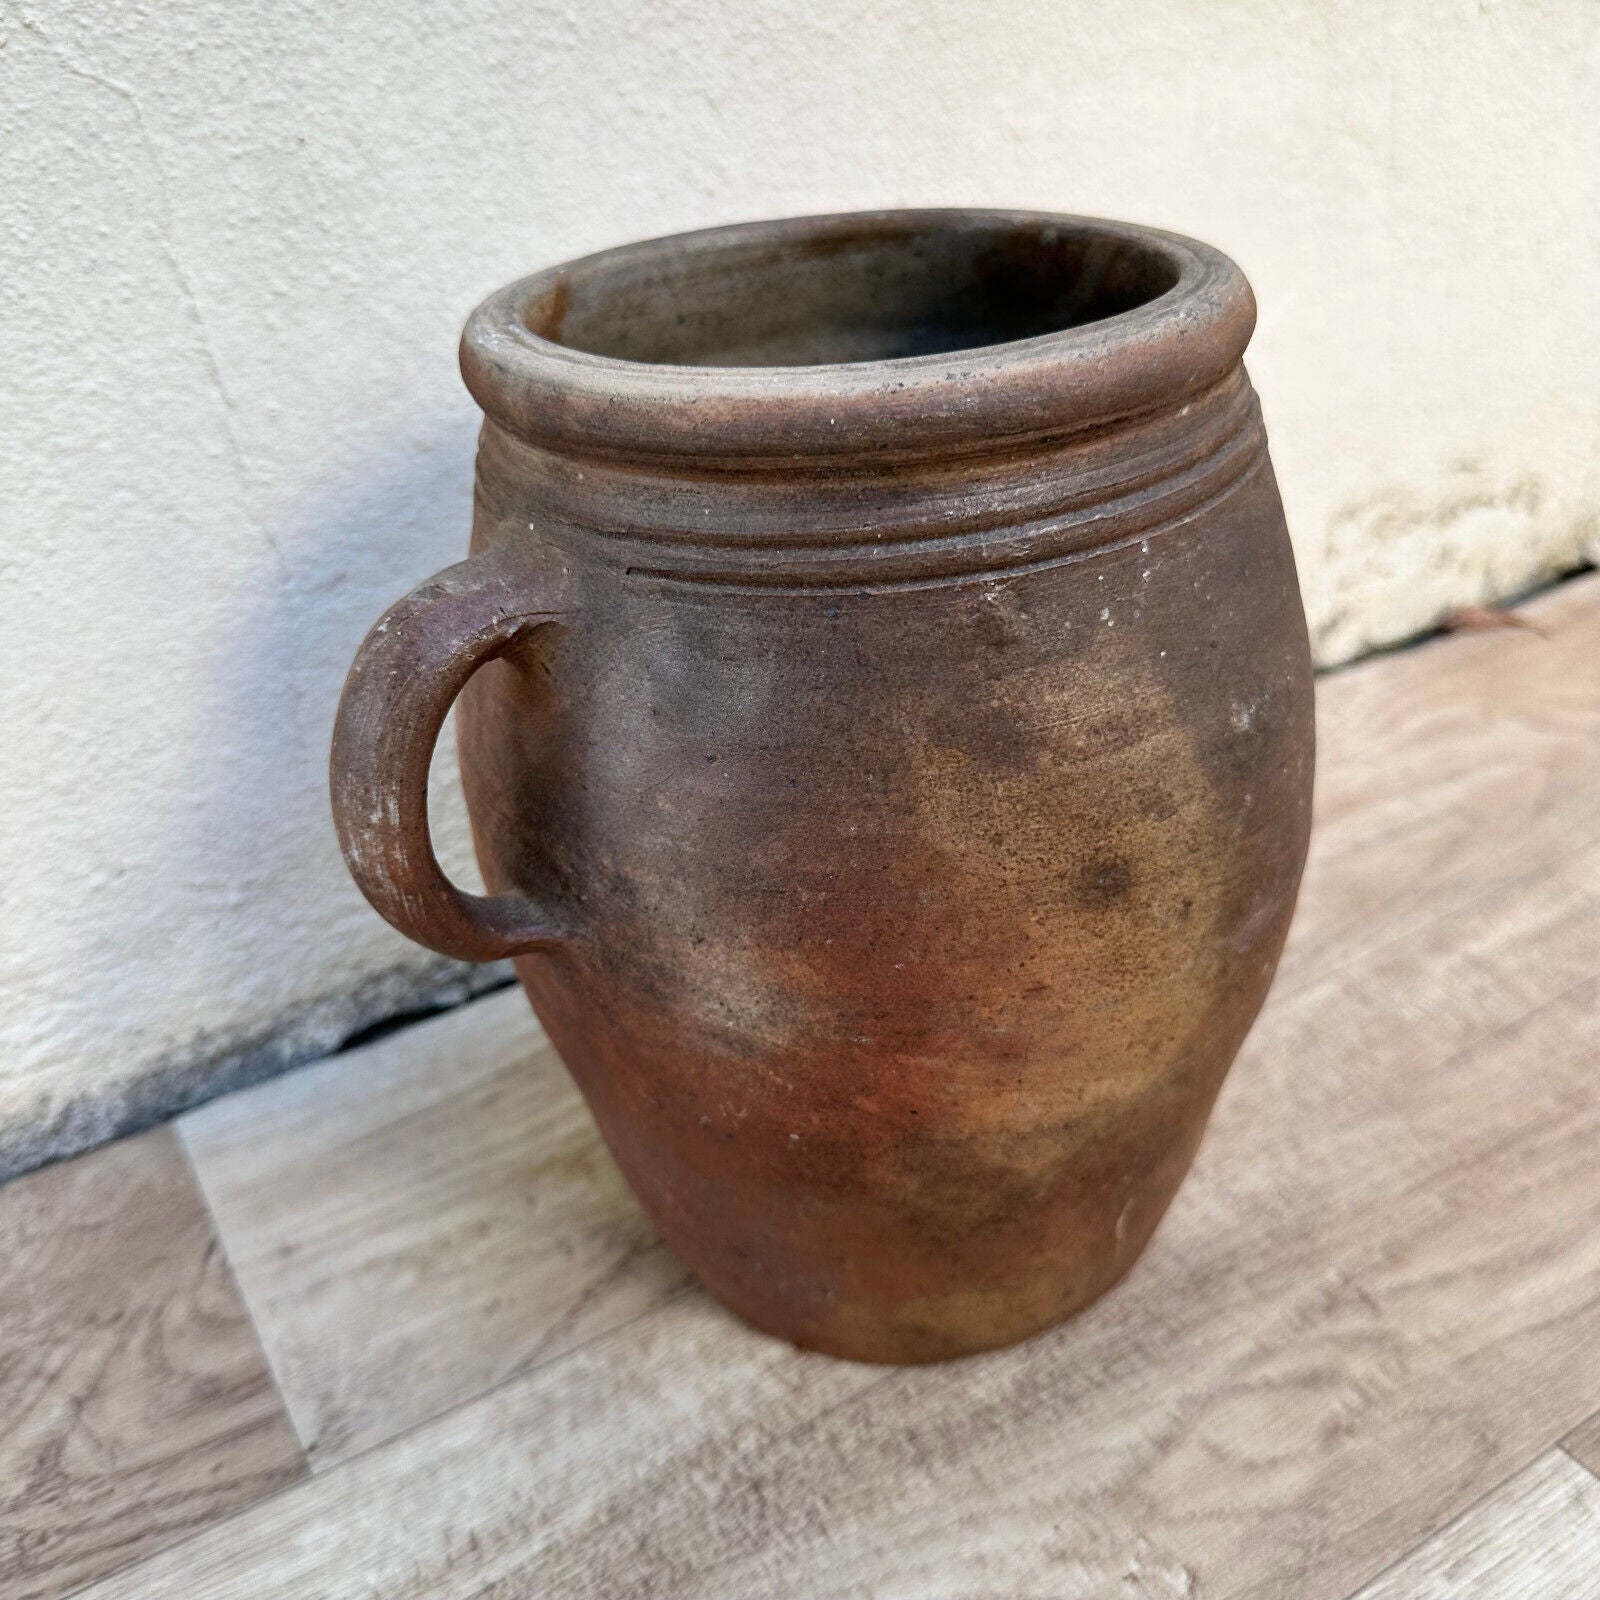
(908, 1346)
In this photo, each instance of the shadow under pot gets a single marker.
(885, 716)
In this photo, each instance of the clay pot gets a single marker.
(888, 744)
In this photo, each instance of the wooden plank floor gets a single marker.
(1361, 1357)
(1583, 1443)
(415, 1224)
(135, 1405)
(1534, 1538)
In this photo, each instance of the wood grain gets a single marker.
(1374, 1301)
(1443, 774)
(1535, 1538)
(1583, 1443)
(416, 1221)
(134, 1402)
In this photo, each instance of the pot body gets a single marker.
(931, 825)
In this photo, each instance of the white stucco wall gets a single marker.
(238, 242)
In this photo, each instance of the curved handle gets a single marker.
(407, 672)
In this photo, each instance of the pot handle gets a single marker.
(405, 676)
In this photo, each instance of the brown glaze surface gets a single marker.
(888, 744)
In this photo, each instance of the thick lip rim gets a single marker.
(977, 400)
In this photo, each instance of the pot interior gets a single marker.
(847, 289)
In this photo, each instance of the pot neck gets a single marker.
(868, 524)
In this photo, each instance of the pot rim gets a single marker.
(982, 399)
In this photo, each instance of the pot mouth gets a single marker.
(875, 334)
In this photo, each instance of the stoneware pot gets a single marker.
(885, 718)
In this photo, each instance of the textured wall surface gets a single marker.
(237, 241)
